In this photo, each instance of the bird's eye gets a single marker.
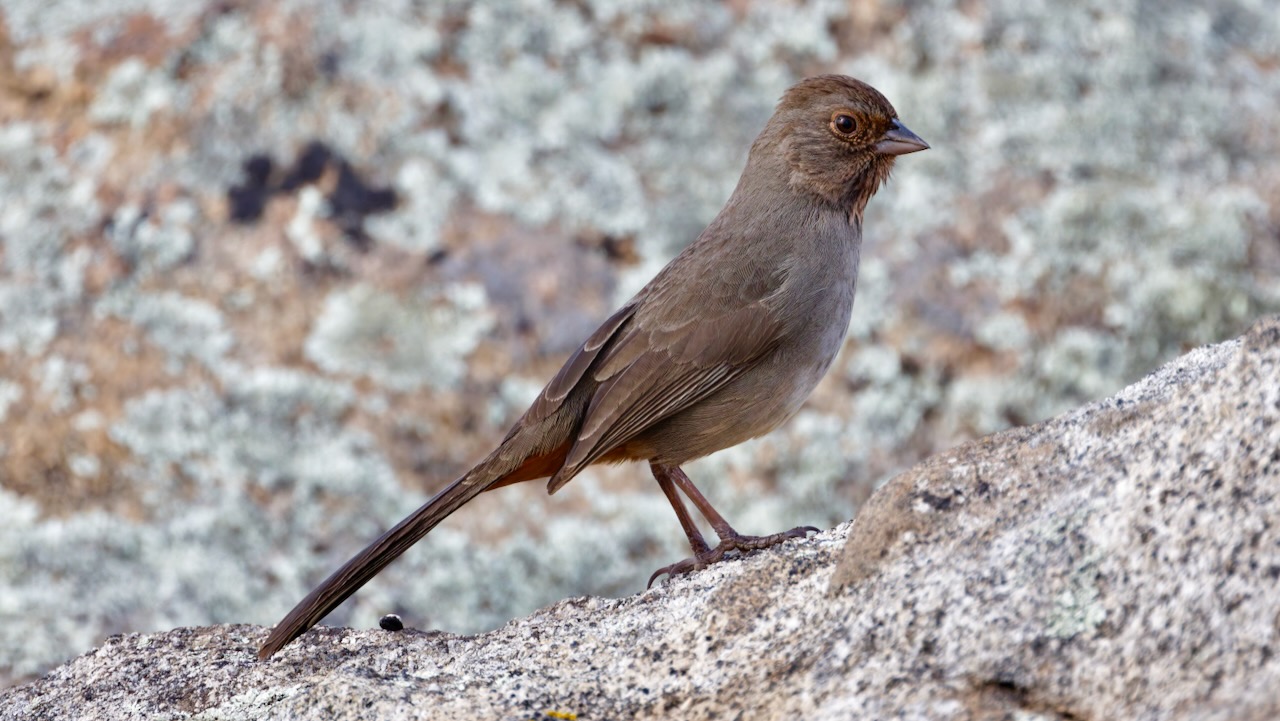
(844, 124)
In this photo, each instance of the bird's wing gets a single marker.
(573, 370)
(664, 362)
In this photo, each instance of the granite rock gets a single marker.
(273, 273)
(1120, 561)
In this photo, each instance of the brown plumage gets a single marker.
(723, 345)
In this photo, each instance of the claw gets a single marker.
(735, 542)
(678, 568)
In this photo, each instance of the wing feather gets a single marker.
(646, 376)
(573, 370)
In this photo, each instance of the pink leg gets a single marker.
(730, 540)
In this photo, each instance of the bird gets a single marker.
(723, 345)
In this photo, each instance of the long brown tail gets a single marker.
(366, 564)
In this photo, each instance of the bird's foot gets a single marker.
(729, 543)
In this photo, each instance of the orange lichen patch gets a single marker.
(140, 36)
(979, 225)
(868, 27)
(63, 468)
(269, 314)
(292, 36)
(58, 448)
(36, 92)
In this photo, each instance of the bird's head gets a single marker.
(839, 138)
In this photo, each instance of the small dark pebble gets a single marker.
(391, 622)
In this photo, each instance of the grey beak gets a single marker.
(900, 141)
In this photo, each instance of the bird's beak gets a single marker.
(900, 141)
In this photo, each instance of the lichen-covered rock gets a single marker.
(1120, 561)
(270, 273)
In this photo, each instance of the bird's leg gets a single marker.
(671, 477)
(696, 541)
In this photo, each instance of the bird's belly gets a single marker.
(759, 400)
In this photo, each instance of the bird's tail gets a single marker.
(366, 564)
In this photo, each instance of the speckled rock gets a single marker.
(1120, 561)
(271, 273)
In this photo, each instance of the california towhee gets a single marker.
(723, 345)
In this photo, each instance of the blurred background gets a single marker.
(273, 273)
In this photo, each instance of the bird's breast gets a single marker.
(821, 306)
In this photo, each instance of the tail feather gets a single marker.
(366, 564)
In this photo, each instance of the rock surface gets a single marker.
(1121, 561)
(271, 273)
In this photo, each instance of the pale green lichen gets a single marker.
(10, 393)
(416, 222)
(301, 229)
(60, 381)
(184, 328)
(630, 119)
(45, 204)
(1077, 610)
(133, 92)
(403, 344)
(157, 240)
(893, 403)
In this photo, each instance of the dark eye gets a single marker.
(844, 124)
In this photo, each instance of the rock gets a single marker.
(1120, 561)
(228, 359)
